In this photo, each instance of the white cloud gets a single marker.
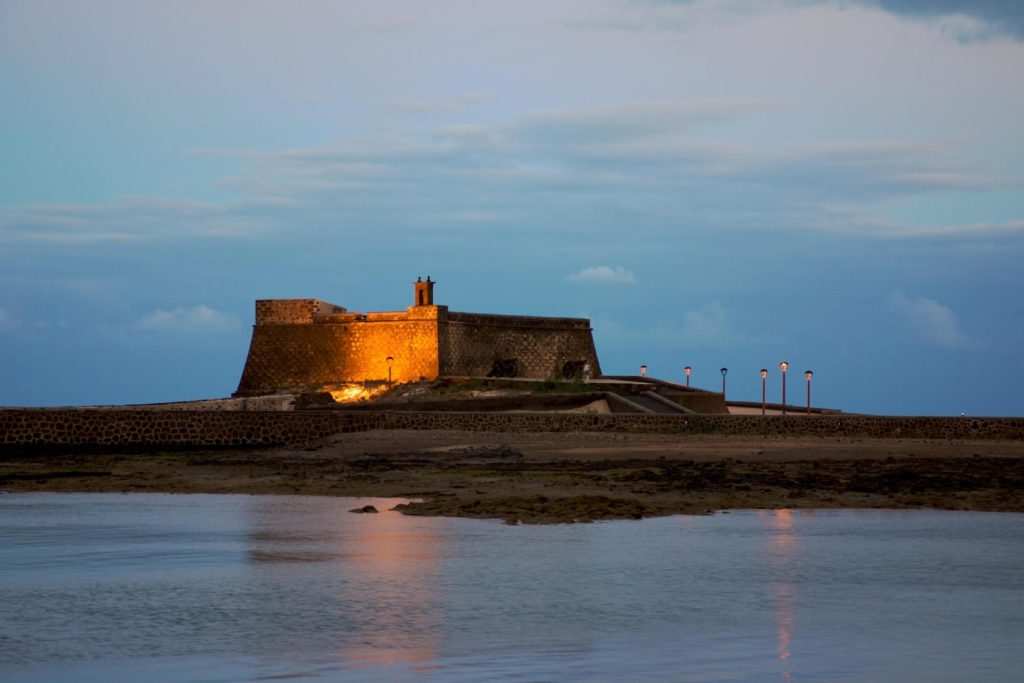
(611, 274)
(197, 320)
(930, 320)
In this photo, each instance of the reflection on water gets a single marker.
(97, 587)
(783, 546)
(397, 573)
(383, 576)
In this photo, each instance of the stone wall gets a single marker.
(77, 429)
(304, 344)
(286, 357)
(745, 425)
(471, 342)
(66, 429)
(293, 311)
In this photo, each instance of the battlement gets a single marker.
(293, 311)
(526, 321)
(303, 344)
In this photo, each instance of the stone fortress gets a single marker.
(303, 344)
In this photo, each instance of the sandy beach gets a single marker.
(555, 477)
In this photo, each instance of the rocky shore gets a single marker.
(552, 477)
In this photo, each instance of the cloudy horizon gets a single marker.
(713, 183)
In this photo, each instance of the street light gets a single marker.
(686, 371)
(643, 370)
(783, 366)
(390, 361)
(808, 375)
(724, 372)
(764, 381)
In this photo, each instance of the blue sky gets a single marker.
(731, 183)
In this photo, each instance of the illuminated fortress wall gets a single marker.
(339, 347)
(303, 344)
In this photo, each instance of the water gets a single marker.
(99, 587)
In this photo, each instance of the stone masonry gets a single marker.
(304, 344)
(68, 429)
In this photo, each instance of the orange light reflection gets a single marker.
(396, 568)
(783, 555)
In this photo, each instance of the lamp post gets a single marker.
(764, 383)
(390, 361)
(808, 375)
(783, 366)
(725, 371)
(643, 370)
(686, 371)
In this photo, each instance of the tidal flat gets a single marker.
(560, 477)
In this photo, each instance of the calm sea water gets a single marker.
(99, 587)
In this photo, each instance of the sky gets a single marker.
(732, 183)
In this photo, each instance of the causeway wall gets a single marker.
(865, 426)
(84, 429)
(68, 429)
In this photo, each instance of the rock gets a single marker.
(365, 508)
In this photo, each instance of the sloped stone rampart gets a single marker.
(70, 429)
(296, 357)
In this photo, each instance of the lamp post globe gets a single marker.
(724, 371)
(686, 371)
(764, 383)
(643, 370)
(808, 375)
(784, 366)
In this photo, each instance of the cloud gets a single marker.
(134, 219)
(643, 164)
(636, 119)
(441, 105)
(197, 320)
(1002, 16)
(963, 20)
(857, 222)
(878, 170)
(7, 321)
(392, 25)
(930, 320)
(710, 325)
(610, 274)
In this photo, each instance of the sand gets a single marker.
(562, 477)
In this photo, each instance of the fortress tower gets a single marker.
(424, 292)
(304, 344)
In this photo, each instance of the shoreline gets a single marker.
(537, 477)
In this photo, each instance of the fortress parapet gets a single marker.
(300, 344)
(293, 311)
